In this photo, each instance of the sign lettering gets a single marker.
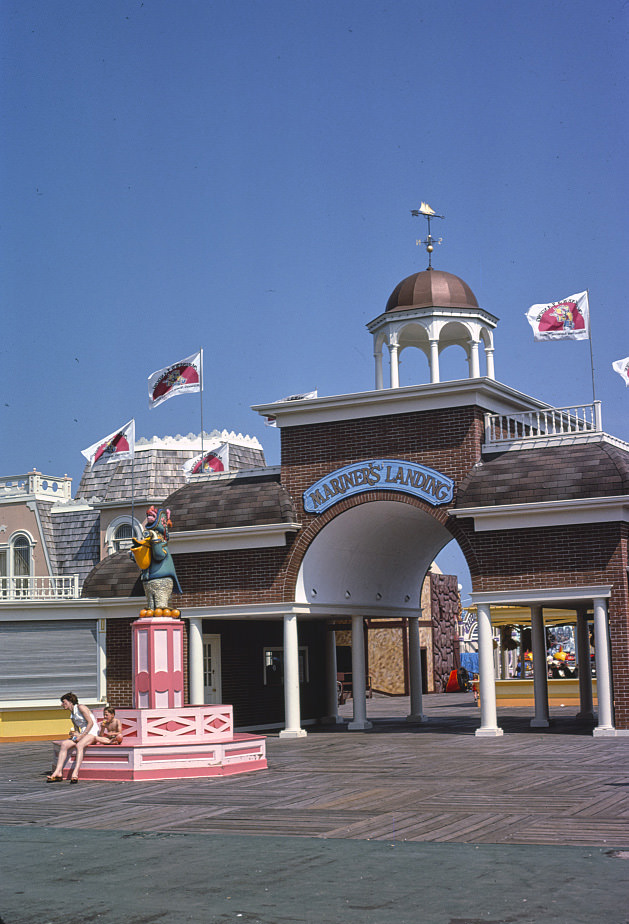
(379, 475)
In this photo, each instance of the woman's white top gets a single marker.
(80, 722)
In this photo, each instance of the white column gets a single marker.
(292, 712)
(540, 669)
(489, 357)
(359, 679)
(474, 363)
(415, 670)
(332, 697)
(379, 377)
(585, 716)
(395, 365)
(486, 680)
(195, 661)
(603, 670)
(434, 361)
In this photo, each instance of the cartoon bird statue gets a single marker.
(156, 564)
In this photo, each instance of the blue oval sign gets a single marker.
(378, 475)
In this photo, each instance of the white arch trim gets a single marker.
(374, 554)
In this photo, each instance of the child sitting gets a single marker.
(110, 731)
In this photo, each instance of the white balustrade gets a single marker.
(543, 423)
(35, 483)
(65, 587)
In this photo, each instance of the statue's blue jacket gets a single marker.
(162, 564)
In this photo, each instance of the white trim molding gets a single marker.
(547, 513)
(557, 597)
(482, 392)
(234, 537)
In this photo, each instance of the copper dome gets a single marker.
(431, 289)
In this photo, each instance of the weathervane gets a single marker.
(430, 242)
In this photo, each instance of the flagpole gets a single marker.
(590, 339)
(133, 484)
(201, 396)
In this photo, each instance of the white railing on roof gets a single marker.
(65, 587)
(543, 423)
(36, 483)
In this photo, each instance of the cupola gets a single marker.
(432, 310)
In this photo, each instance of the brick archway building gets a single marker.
(370, 488)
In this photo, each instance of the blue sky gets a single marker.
(239, 176)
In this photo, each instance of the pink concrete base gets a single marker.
(167, 744)
(243, 754)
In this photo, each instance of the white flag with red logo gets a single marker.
(182, 378)
(210, 462)
(117, 446)
(621, 366)
(568, 319)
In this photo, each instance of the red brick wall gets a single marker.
(231, 576)
(447, 440)
(119, 670)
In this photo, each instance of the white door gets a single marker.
(212, 669)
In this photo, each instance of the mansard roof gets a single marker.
(227, 501)
(115, 576)
(554, 473)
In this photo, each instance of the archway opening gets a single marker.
(375, 561)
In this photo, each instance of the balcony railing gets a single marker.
(39, 588)
(544, 423)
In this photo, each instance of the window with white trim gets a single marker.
(16, 565)
(120, 532)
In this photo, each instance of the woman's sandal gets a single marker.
(54, 779)
(74, 779)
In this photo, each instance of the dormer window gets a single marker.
(122, 537)
(119, 534)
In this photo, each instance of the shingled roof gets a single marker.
(158, 467)
(553, 473)
(115, 576)
(219, 503)
(72, 538)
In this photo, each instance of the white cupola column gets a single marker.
(474, 363)
(434, 361)
(489, 357)
(395, 364)
(377, 355)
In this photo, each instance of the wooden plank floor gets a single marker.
(395, 782)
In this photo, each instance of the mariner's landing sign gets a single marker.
(378, 475)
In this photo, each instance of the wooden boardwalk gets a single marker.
(396, 782)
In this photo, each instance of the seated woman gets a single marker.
(85, 732)
(110, 731)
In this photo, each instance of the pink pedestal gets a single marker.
(161, 738)
(157, 663)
